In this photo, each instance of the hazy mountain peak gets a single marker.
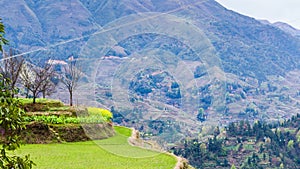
(287, 28)
(251, 53)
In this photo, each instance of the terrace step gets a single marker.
(56, 135)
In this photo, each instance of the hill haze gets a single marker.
(156, 63)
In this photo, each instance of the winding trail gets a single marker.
(135, 140)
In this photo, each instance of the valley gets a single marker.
(187, 75)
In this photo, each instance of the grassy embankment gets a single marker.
(111, 153)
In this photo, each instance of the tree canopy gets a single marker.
(11, 123)
(3, 41)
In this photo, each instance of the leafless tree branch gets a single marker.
(37, 79)
(11, 67)
(70, 77)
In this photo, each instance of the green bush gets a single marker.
(53, 119)
(98, 112)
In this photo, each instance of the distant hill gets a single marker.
(185, 55)
(245, 145)
(288, 28)
(43, 23)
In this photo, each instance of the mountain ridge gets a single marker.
(221, 27)
(258, 62)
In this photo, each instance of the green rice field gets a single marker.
(111, 153)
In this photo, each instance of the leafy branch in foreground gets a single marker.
(11, 122)
(3, 41)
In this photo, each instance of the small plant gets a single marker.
(53, 119)
(106, 114)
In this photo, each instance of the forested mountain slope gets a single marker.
(163, 66)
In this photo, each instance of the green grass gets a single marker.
(123, 130)
(63, 108)
(38, 100)
(119, 145)
(112, 153)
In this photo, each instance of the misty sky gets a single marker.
(273, 10)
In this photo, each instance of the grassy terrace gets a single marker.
(111, 153)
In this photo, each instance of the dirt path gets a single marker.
(135, 140)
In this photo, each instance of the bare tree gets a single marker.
(70, 77)
(11, 67)
(27, 76)
(47, 88)
(35, 78)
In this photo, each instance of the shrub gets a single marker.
(106, 114)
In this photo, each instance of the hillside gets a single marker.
(288, 28)
(246, 146)
(155, 64)
(57, 135)
(97, 154)
(40, 24)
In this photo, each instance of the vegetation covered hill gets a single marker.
(57, 135)
(160, 62)
(168, 68)
(246, 146)
(50, 121)
(235, 37)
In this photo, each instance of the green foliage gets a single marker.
(201, 115)
(40, 105)
(48, 102)
(11, 122)
(106, 114)
(3, 41)
(94, 116)
(92, 119)
(259, 145)
(53, 119)
(281, 166)
(63, 108)
(290, 144)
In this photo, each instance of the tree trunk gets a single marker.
(34, 97)
(71, 98)
(27, 93)
(12, 90)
